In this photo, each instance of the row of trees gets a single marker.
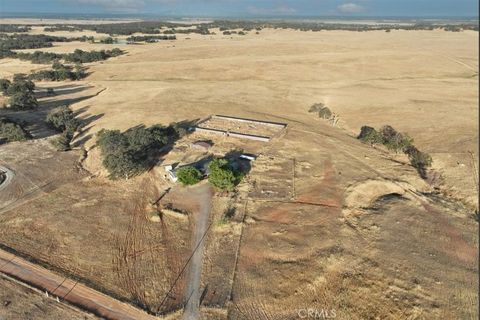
(398, 142)
(19, 92)
(32, 41)
(60, 72)
(12, 131)
(150, 38)
(14, 28)
(78, 56)
(57, 27)
(129, 153)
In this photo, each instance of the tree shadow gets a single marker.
(42, 92)
(237, 162)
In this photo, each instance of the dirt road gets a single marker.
(203, 194)
(8, 175)
(69, 290)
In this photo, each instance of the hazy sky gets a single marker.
(250, 7)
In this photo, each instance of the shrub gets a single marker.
(394, 140)
(322, 111)
(62, 142)
(63, 119)
(4, 84)
(370, 135)
(23, 100)
(189, 175)
(419, 160)
(20, 84)
(12, 131)
(221, 175)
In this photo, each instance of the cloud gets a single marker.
(281, 10)
(350, 8)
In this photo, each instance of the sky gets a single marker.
(250, 8)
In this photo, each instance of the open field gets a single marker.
(321, 220)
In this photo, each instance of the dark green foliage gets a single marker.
(370, 135)
(38, 56)
(5, 53)
(222, 176)
(12, 131)
(63, 120)
(23, 100)
(108, 40)
(29, 41)
(14, 28)
(189, 175)
(397, 141)
(78, 56)
(20, 92)
(150, 38)
(419, 160)
(394, 140)
(55, 28)
(62, 142)
(60, 72)
(4, 84)
(19, 84)
(129, 153)
(323, 111)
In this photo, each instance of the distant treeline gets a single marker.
(154, 27)
(32, 41)
(78, 56)
(14, 28)
(62, 28)
(150, 38)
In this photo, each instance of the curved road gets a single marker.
(8, 177)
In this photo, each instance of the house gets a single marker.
(171, 173)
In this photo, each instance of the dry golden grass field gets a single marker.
(321, 221)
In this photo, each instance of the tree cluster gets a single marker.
(78, 55)
(20, 92)
(222, 176)
(63, 120)
(128, 153)
(323, 111)
(60, 27)
(31, 41)
(150, 38)
(397, 141)
(14, 28)
(60, 72)
(12, 131)
(189, 175)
